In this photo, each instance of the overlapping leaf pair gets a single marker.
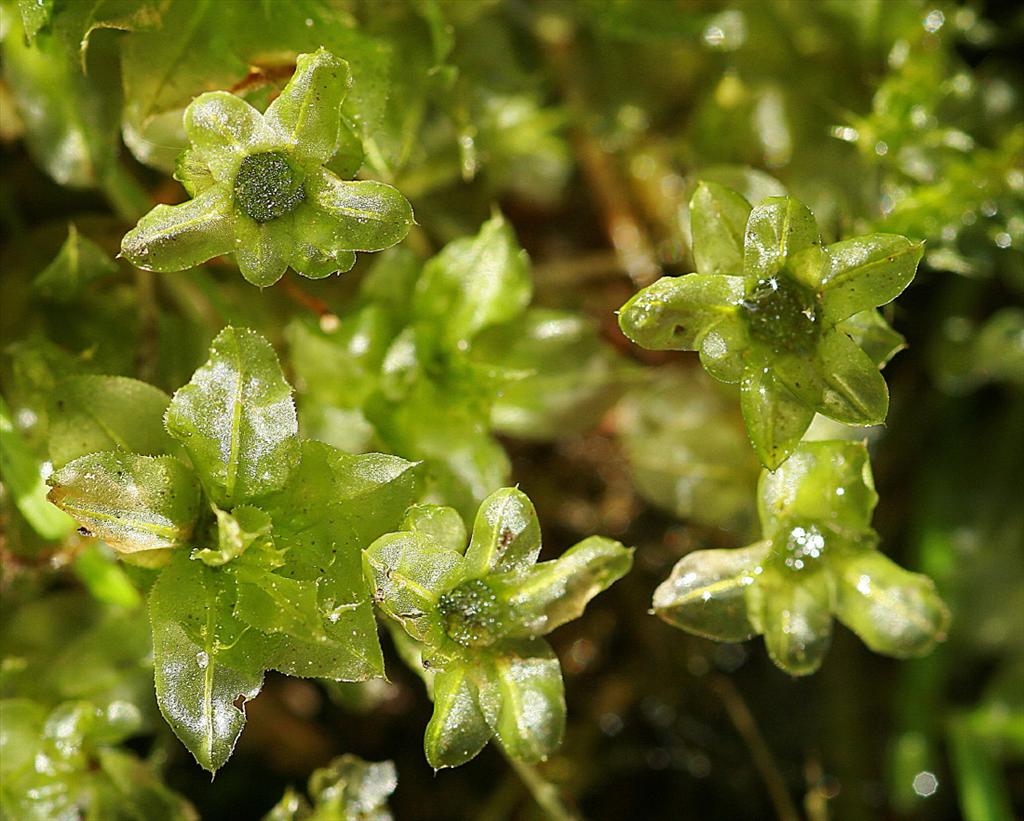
(817, 557)
(476, 614)
(261, 192)
(771, 309)
(257, 534)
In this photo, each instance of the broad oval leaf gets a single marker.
(550, 594)
(92, 413)
(475, 282)
(706, 592)
(457, 731)
(855, 393)
(237, 420)
(205, 664)
(132, 502)
(506, 534)
(176, 237)
(778, 230)
(866, 272)
(221, 128)
(894, 611)
(523, 699)
(675, 312)
(718, 219)
(442, 525)
(353, 215)
(307, 113)
(794, 612)
(408, 574)
(827, 482)
(775, 418)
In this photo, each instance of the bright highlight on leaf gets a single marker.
(478, 619)
(817, 557)
(777, 313)
(257, 541)
(261, 192)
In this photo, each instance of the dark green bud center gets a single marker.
(472, 613)
(267, 186)
(782, 314)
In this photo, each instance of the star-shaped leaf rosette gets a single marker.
(792, 322)
(475, 617)
(817, 557)
(260, 190)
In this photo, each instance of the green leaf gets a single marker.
(775, 418)
(262, 250)
(408, 574)
(138, 789)
(827, 482)
(706, 593)
(79, 262)
(221, 130)
(35, 14)
(475, 282)
(550, 594)
(855, 392)
(523, 699)
(675, 312)
(718, 219)
(793, 611)
(23, 479)
(457, 731)
(567, 376)
(206, 667)
(98, 569)
(506, 534)
(778, 230)
(237, 420)
(870, 332)
(307, 113)
(723, 349)
(276, 604)
(353, 215)
(203, 45)
(92, 413)
(688, 450)
(70, 120)
(176, 237)
(236, 532)
(894, 611)
(131, 502)
(464, 462)
(333, 506)
(439, 524)
(351, 789)
(866, 272)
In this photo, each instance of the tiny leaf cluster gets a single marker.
(260, 190)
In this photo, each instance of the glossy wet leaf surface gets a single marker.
(477, 620)
(753, 313)
(819, 557)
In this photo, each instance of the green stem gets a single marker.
(543, 791)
